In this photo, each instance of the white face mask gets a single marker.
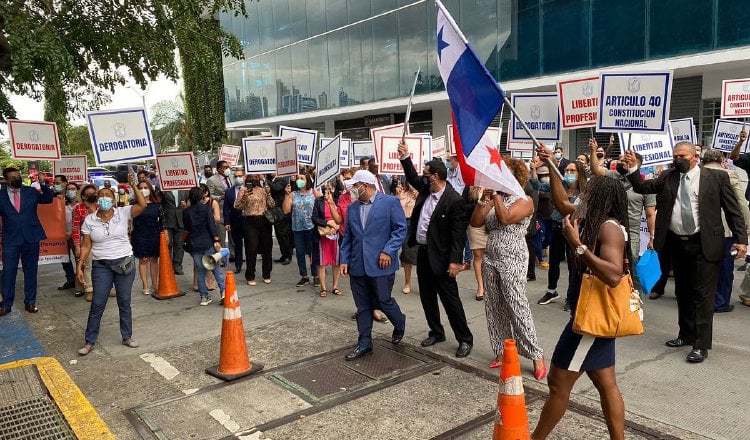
(146, 192)
(227, 172)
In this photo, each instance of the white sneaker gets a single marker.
(268, 281)
(251, 283)
(206, 301)
(147, 291)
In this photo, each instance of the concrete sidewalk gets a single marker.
(285, 326)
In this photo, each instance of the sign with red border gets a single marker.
(735, 98)
(176, 171)
(230, 154)
(390, 160)
(579, 102)
(34, 140)
(387, 130)
(72, 167)
(286, 157)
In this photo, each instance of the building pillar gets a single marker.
(330, 129)
(441, 117)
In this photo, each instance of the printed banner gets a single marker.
(230, 153)
(390, 160)
(634, 102)
(541, 112)
(683, 130)
(307, 140)
(362, 149)
(328, 162)
(176, 171)
(656, 149)
(286, 157)
(33, 140)
(735, 98)
(438, 147)
(53, 249)
(346, 148)
(72, 167)
(579, 102)
(727, 134)
(119, 136)
(388, 130)
(260, 154)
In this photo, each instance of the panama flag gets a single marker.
(475, 99)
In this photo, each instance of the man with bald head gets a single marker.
(689, 203)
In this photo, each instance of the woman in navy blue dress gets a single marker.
(145, 238)
(597, 233)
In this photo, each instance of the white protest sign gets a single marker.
(362, 149)
(120, 136)
(656, 149)
(727, 134)
(735, 98)
(579, 102)
(346, 148)
(286, 157)
(449, 140)
(307, 140)
(541, 113)
(521, 146)
(328, 161)
(176, 171)
(438, 147)
(634, 102)
(426, 145)
(230, 154)
(644, 236)
(259, 154)
(683, 130)
(390, 159)
(388, 130)
(72, 167)
(33, 140)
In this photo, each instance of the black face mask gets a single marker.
(91, 198)
(681, 165)
(599, 155)
(621, 168)
(425, 181)
(14, 183)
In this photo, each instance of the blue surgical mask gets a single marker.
(570, 179)
(301, 183)
(105, 203)
(71, 194)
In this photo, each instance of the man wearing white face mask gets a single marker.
(218, 184)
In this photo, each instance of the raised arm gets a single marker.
(735, 154)
(140, 201)
(515, 213)
(596, 164)
(409, 171)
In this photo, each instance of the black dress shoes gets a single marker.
(464, 349)
(31, 308)
(696, 356)
(67, 285)
(677, 342)
(357, 353)
(279, 260)
(431, 340)
(4, 312)
(179, 271)
(396, 338)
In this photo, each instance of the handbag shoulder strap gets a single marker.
(626, 261)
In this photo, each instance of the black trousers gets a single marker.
(258, 241)
(665, 263)
(432, 285)
(284, 236)
(695, 281)
(237, 233)
(175, 247)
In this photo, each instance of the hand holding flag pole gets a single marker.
(408, 107)
(551, 165)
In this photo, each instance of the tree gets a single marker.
(168, 123)
(79, 142)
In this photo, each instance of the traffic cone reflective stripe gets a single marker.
(233, 359)
(512, 421)
(167, 282)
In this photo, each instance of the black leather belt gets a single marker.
(695, 236)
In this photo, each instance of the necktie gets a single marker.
(17, 200)
(686, 208)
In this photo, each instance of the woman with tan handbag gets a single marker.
(601, 251)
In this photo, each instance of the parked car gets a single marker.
(99, 182)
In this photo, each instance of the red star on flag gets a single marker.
(495, 156)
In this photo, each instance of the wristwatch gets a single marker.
(581, 249)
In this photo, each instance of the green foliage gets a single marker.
(168, 124)
(79, 142)
(7, 161)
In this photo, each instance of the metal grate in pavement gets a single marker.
(20, 384)
(323, 379)
(36, 419)
(383, 363)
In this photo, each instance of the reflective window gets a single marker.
(614, 40)
(336, 14)
(338, 65)
(565, 36)
(360, 64)
(316, 16)
(679, 26)
(479, 24)
(319, 86)
(265, 25)
(412, 45)
(734, 16)
(385, 57)
(519, 56)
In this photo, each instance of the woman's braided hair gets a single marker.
(604, 199)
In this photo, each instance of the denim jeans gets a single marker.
(305, 243)
(102, 278)
(218, 272)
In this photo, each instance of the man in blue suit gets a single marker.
(22, 233)
(375, 230)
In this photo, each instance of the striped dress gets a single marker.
(504, 272)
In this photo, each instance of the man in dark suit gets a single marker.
(689, 203)
(233, 221)
(283, 225)
(22, 233)
(172, 204)
(438, 226)
(375, 230)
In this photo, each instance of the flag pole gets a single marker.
(499, 129)
(408, 107)
(550, 164)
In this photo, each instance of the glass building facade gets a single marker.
(304, 55)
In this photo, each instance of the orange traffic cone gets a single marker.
(167, 283)
(512, 422)
(233, 359)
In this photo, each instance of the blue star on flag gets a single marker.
(441, 44)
